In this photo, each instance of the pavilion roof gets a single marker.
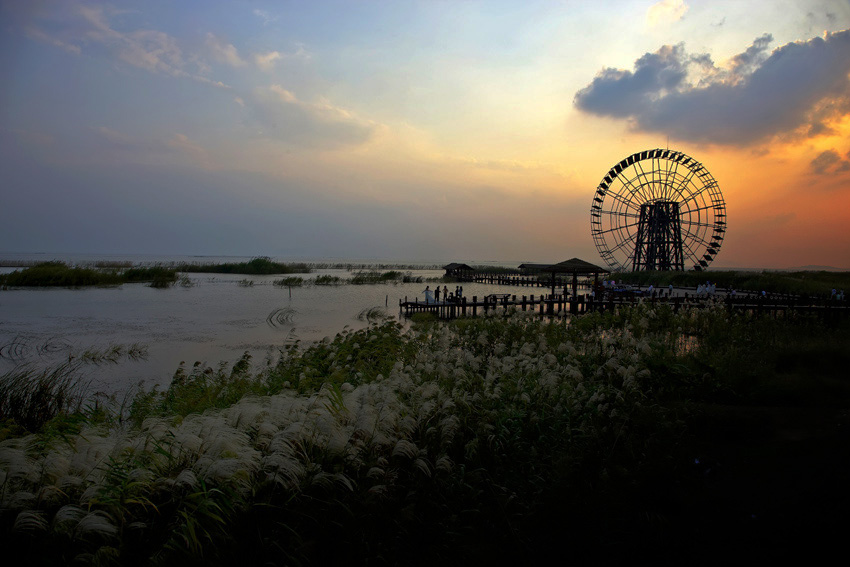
(538, 267)
(576, 266)
(457, 266)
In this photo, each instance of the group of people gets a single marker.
(434, 296)
(838, 294)
(707, 289)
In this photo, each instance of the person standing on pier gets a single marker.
(437, 294)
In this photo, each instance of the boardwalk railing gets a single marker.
(518, 280)
(826, 310)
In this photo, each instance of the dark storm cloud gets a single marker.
(755, 96)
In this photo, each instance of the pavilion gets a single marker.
(576, 267)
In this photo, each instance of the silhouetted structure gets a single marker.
(658, 210)
(658, 244)
(456, 270)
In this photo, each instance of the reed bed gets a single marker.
(255, 267)
(59, 274)
(478, 441)
(31, 395)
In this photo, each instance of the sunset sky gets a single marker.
(431, 130)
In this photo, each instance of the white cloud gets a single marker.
(666, 12)
(223, 52)
(267, 61)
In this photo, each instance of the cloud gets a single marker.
(265, 16)
(182, 143)
(666, 12)
(801, 87)
(151, 50)
(305, 124)
(266, 61)
(40, 35)
(77, 28)
(829, 163)
(115, 138)
(223, 52)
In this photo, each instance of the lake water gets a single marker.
(216, 319)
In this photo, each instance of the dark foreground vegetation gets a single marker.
(641, 437)
(59, 274)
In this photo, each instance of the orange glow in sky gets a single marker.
(412, 130)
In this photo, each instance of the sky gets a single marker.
(414, 130)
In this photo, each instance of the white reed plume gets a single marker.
(96, 523)
(15, 463)
(50, 495)
(284, 470)
(422, 466)
(444, 465)
(405, 449)
(67, 517)
(20, 500)
(55, 465)
(186, 479)
(30, 521)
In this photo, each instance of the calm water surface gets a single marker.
(214, 320)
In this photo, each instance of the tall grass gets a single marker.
(475, 441)
(31, 395)
(61, 275)
(374, 276)
(326, 279)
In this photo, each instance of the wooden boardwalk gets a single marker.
(470, 307)
(826, 310)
